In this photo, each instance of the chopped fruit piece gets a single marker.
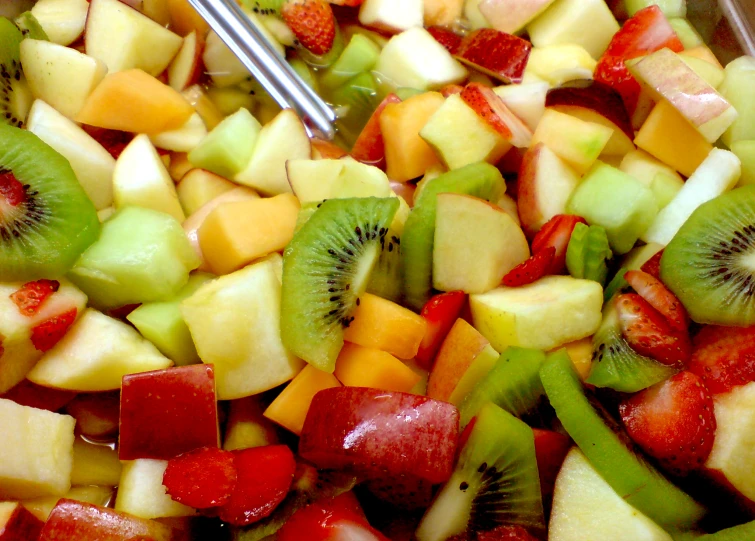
(493, 110)
(359, 366)
(95, 464)
(532, 269)
(30, 394)
(32, 294)
(653, 265)
(556, 233)
(440, 312)
(551, 449)
(247, 427)
(495, 53)
(48, 333)
(391, 16)
(96, 414)
(588, 253)
(382, 324)
(673, 421)
(201, 478)
(17, 523)
(649, 333)
(724, 357)
(264, 476)
(460, 348)
(654, 292)
(168, 412)
(559, 64)
(446, 37)
(369, 147)
(512, 15)
(312, 22)
(141, 491)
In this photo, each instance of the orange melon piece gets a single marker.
(668, 136)
(580, 353)
(462, 345)
(235, 234)
(407, 155)
(358, 366)
(290, 408)
(381, 324)
(184, 19)
(134, 101)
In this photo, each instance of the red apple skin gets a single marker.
(30, 394)
(369, 148)
(550, 449)
(381, 434)
(21, 526)
(168, 412)
(498, 54)
(96, 414)
(529, 212)
(71, 520)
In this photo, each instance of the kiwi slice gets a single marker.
(46, 218)
(264, 7)
(29, 26)
(587, 253)
(709, 265)
(15, 96)
(616, 365)
(606, 446)
(496, 481)
(512, 384)
(479, 180)
(326, 267)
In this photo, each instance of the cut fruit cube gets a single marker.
(478, 369)
(186, 67)
(247, 427)
(235, 324)
(559, 64)
(392, 16)
(360, 55)
(17, 523)
(96, 414)
(37, 450)
(228, 148)
(95, 354)
(358, 366)
(314, 180)
(197, 187)
(623, 206)
(512, 16)
(235, 234)
(384, 325)
(581, 148)
(546, 314)
(62, 20)
(496, 54)
(95, 464)
(442, 12)
(183, 139)
(745, 151)
(525, 100)
(290, 407)
(738, 81)
(662, 180)
(670, 8)
(141, 492)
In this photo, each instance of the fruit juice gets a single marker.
(511, 300)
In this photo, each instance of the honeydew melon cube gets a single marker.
(227, 149)
(739, 80)
(745, 151)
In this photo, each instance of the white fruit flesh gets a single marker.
(511, 16)
(737, 89)
(141, 492)
(560, 63)
(392, 15)
(62, 20)
(184, 139)
(527, 101)
(184, 65)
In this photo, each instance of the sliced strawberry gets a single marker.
(202, 478)
(673, 421)
(612, 71)
(446, 37)
(369, 148)
(264, 476)
(652, 290)
(653, 265)
(48, 333)
(11, 189)
(556, 233)
(312, 22)
(440, 312)
(531, 270)
(492, 110)
(649, 333)
(32, 295)
(724, 357)
(450, 90)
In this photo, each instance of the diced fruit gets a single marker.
(247, 427)
(662, 180)
(659, 297)
(358, 366)
(722, 357)
(488, 105)
(588, 252)
(96, 495)
(184, 138)
(201, 478)
(37, 452)
(739, 76)
(186, 67)
(556, 233)
(141, 492)
(440, 313)
(198, 187)
(62, 20)
(457, 352)
(228, 148)
(134, 101)
(495, 53)
(512, 16)
(18, 523)
(410, 436)
(30, 394)
(526, 100)
(559, 64)
(369, 147)
(79, 361)
(235, 324)
(94, 464)
(530, 270)
(745, 151)
(442, 12)
(585, 505)
(551, 449)
(543, 315)
(392, 16)
(96, 414)
(359, 55)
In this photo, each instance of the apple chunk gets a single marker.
(141, 492)
(18, 524)
(495, 53)
(476, 244)
(511, 16)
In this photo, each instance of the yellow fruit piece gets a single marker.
(290, 408)
(95, 464)
(247, 427)
(141, 491)
(407, 155)
(358, 366)
(134, 101)
(202, 104)
(198, 187)
(477, 371)
(381, 324)
(461, 346)
(42, 507)
(235, 234)
(580, 353)
(670, 138)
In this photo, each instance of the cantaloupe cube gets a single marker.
(580, 353)
(134, 101)
(461, 346)
(141, 492)
(235, 234)
(36, 451)
(381, 324)
(668, 136)
(358, 366)
(247, 427)
(290, 408)
(407, 155)
(95, 464)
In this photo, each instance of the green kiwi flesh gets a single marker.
(264, 7)
(496, 481)
(479, 180)
(742, 532)
(607, 448)
(512, 384)
(15, 97)
(710, 263)
(587, 253)
(326, 267)
(616, 365)
(30, 27)
(42, 236)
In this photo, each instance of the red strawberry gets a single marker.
(32, 294)
(446, 37)
(264, 476)
(201, 478)
(369, 148)
(653, 265)
(652, 290)
(673, 421)
(48, 333)
(114, 141)
(612, 71)
(649, 333)
(724, 357)
(312, 22)
(556, 233)
(11, 189)
(440, 312)
(531, 270)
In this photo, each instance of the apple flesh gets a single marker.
(18, 524)
(525, 100)
(559, 64)
(497, 54)
(392, 16)
(408, 435)
(96, 414)
(511, 16)
(141, 492)
(186, 67)
(62, 20)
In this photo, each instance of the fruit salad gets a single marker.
(512, 300)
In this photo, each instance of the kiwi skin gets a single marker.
(707, 263)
